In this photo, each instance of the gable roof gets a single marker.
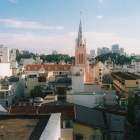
(67, 111)
(93, 65)
(48, 67)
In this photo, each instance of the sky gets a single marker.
(41, 26)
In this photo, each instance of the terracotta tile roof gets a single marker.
(48, 67)
(93, 65)
(67, 111)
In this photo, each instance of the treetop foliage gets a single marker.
(116, 58)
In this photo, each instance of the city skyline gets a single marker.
(43, 26)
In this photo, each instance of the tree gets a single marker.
(116, 58)
(25, 56)
(37, 92)
(107, 79)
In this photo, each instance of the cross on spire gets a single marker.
(80, 13)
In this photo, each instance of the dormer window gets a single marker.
(55, 68)
(35, 68)
(48, 68)
(28, 68)
(65, 68)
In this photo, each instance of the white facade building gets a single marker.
(11, 92)
(4, 54)
(78, 79)
(137, 68)
(5, 70)
(27, 61)
(87, 99)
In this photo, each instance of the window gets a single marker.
(137, 83)
(79, 137)
(48, 68)
(28, 68)
(6, 103)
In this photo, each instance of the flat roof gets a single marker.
(23, 127)
(88, 93)
(125, 76)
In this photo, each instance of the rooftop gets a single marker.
(27, 127)
(126, 76)
(67, 111)
(88, 93)
(48, 67)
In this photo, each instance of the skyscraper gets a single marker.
(121, 50)
(115, 48)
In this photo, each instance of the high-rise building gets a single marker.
(92, 52)
(4, 54)
(115, 48)
(103, 50)
(132, 54)
(121, 50)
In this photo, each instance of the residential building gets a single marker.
(96, 123)
(40, 79)
(56, 69)
(5, 70)
(4, 54)
(53, 123)
(38, 61)
(123, 82)
(78, 79)
(136, 66)
(12, 55)
(109, 63)
(99, 69)
(115, 48)
(11, 91)
(27, 61)
(61, 85)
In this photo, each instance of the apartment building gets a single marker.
(124, 81)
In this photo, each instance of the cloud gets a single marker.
(66, 43)
(101, 1)
(14, 23)
(14, 1)
(99, 16)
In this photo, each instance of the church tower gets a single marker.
(80, 48)
(81, 52)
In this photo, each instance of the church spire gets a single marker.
(80, 32)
